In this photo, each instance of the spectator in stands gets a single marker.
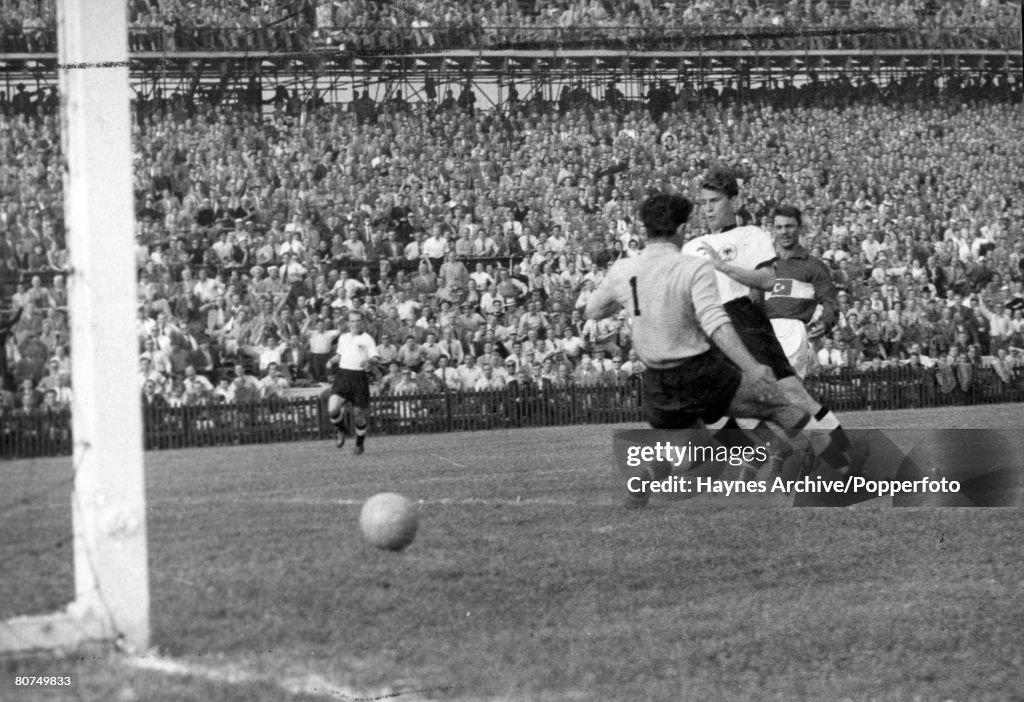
(274, 383)
(488, 379)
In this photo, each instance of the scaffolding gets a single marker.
(336, 75)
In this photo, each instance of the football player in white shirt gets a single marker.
(350, 391)
(744, 260)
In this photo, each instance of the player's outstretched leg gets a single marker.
(745, 404)
(828, 440)
(823, 439)
(337, 412)
(359, 421)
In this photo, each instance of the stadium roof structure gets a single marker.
(492, 60)
(693, 56)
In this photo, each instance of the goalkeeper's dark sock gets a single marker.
(360, 435)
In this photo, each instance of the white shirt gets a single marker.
(494, 383)
(349, 287)
(272, 354)
(320, 342)
(208, 290)
(481, 278)
(435, 247)
(273, 386)
(830, 357)
(450, 377)
(355, 351)
(407, 310)
(746, 247)
(470, 376)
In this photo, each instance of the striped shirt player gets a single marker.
(350, 390)
(802, 284)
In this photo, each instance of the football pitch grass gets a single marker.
(528, 580)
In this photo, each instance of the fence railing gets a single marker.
(28, 434)
(908, 388)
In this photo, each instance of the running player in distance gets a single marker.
(349, 404)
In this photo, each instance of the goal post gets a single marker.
(108, 498)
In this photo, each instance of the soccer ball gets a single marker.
(389, 521)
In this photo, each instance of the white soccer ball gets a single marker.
(389, 521)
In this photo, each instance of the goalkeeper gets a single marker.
(802, 283)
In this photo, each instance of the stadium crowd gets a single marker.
(359, 25)
(471, 240)
(362, 26)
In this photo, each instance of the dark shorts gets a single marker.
(701, 388)
(755, 329)
(352, 385)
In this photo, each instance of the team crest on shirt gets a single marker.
(728, 252)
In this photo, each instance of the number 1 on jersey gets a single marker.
(636, 301)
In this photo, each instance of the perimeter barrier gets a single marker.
(41, 432)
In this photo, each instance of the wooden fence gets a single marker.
(305, 419)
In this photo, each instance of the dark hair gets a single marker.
(789, 211)
(663, 213)
(721, 179)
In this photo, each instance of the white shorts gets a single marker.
(792, 335)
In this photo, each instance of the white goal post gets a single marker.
(111, 602)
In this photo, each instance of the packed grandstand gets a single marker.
(241, 25)
(471, 235)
